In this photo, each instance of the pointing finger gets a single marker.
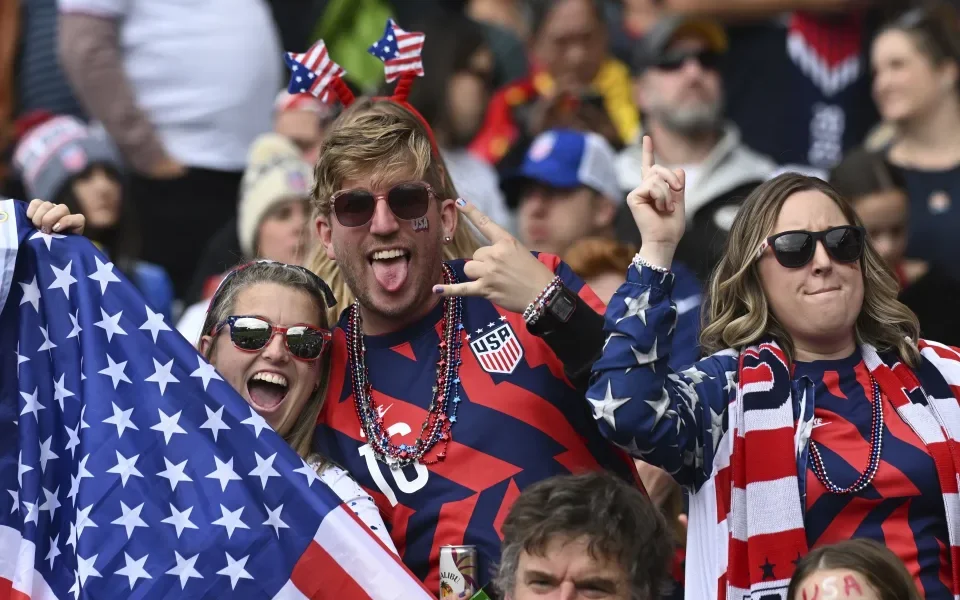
(669, 176)
(485, 224)
(647, 160)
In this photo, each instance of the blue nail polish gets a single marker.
(461, 202)
(437, 289)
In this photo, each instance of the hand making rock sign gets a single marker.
(505, 273)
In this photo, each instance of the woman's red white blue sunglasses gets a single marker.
(253, 333)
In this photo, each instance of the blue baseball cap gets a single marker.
(564, 159)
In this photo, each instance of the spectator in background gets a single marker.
(858, 568)
(565, 189)
(602, 263)
(302, 118)
(272, 218)
(679, 89)
(878, 193)
(570, 58)
(62, 160)
(583, 536)
(183, 88)
(452, 97)
(916, 59)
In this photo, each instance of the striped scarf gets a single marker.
(755, 492)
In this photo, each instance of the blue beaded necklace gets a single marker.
(442, 412)
(876, 446)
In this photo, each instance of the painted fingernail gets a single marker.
(437, 289)
(461, 202)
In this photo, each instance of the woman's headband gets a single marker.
(314, 72)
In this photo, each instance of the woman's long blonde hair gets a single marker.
(381, 137)
(737, 313)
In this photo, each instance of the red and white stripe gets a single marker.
(345, 560)
(317, 60)
(18, 579)
(409, 46)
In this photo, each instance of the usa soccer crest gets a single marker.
(498, 350)
(73, 158)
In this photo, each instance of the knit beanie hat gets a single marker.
(275, 172)
(51, 153)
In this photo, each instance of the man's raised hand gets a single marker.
(504, 272)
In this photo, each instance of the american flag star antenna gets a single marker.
(400, 51)
(314, 72)
(127, 471)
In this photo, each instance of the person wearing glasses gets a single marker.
(678, 85)
(458, 383)
(820, 414)
(266, 333)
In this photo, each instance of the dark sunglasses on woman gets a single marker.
(408, 201)
(794, 249)
(252, 334)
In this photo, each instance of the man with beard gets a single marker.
(678, 87)
(455, 384)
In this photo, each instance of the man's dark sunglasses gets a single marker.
(794, 249)
(408, 201)
(673, 61)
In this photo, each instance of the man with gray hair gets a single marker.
(678, 87)
(583, 536)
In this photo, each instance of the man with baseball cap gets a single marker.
(678, 87)
(565, 189)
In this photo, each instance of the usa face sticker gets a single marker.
(421, 224)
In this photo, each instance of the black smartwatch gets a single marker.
(561, 305)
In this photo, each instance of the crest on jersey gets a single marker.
(498, 350)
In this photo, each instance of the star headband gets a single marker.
(314, 72)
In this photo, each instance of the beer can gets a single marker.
(458, 572)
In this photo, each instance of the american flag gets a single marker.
(312, 72)
(130, 469)
(399, 50)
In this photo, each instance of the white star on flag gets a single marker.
(264, 469)
(47, 344)
(125, 467)
(256, 421)
(180, 519)
(63, 279)
(133, 569)
(206, 372)
(230, 520)
(130, 519)
(110, 324)
(46, 237)
(174, 473)
(235, 571)
(274, 520)
(60, 392)
(121, 418)
(32, 405)
(185, 569)
(75, 322)
(169, 425)
(46, 454)
(115, 371)
(104, 275)
(31, 294)
(154, 324)
(224, 473)
(162, 375)
(214, 421)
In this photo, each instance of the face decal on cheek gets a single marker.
(421, 224)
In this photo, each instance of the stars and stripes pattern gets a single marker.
(312, 72)
(708, 424)
(399, 50)
(130, 468)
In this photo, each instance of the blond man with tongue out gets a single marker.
(454, 384)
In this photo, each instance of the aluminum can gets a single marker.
(458, 572)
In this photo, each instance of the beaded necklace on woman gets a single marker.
(442, 412)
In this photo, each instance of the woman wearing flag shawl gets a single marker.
(820, 416)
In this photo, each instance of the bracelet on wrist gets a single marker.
(536, 308)
(639, 262)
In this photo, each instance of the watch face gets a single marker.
(562, 307)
